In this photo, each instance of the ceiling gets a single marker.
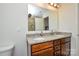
(44, 5)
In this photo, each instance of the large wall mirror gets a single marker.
(41, 17)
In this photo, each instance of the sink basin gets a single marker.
(54, 36)
(48, 37)
(40, 38)
(58, 35)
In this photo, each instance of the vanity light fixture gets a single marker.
(29, 15)
(55, 5)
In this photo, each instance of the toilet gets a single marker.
(6, 49)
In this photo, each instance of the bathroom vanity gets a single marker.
(54, 47)
(50, 45)
(44, 39)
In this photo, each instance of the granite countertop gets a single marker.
(38, 39)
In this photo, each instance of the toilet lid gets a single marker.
(6, 45)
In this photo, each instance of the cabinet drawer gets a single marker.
(57, 47)
(41, 46)
(65, 52)
(46, 52)
(64, 40)
(56, 42)
(57, 53)
(66, 45)
(65, 49)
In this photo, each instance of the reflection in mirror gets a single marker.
(46, 23)
(40, 18)
(31, 22)
(39, 23)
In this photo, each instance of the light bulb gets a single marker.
(55, 5)
(58, 6)
(51, 3)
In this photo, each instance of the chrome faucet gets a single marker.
(51, 32)
(41, 34)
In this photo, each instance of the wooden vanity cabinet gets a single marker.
(58, 47)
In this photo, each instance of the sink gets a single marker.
(39, 38)
(58, 35)
(48, 37)
(54, 36)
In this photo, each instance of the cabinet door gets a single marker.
(46, 52)
(65, 49)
